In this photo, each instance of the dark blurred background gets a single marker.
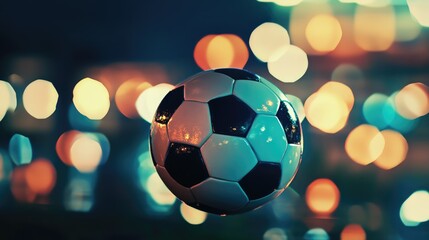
(119, 196)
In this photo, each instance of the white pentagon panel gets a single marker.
(159, 142)
(178, 190)
(202, 88)
(268, 139)
(190, 79)
(257, 203)
(258, 96)
(190, 124)
(228, 157)
(221, 194)
(274, 88)
(290, 164)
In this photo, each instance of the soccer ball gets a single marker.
(226, 141)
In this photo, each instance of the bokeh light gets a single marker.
(412, 101)
(200, 51)
(241, 53)
(394, 152)
(290, 66)
(104, 144)
(415, 209)
(8, 95)
(15, 78)
(398, 122)
(374, 27)
(41, 176)
(269, 41)
(40, 99)
(191, 215)
(71, 150)
(353, 232)
(158, 191)
(364, 144)
(64, 144)
(85, 153)
(369, 3)
(297, 105)
(377, 110)
(340, 91)
(323, 32)
(316, 234)
(300, 16)
(79, 195)
(275, 234)
(145, 169)
(7, 99)
(113, 75)
(149, 100)
(126, 97)
(347, 46)
(19, 187)
(326, 111)
(91, 98)
(407, 28)
(284, 3)
(419, 9)
(322, 196)
(20, 149)
(221, 51)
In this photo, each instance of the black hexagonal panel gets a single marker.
(151, 150)
(262, 180)
(169, 105)
(290, 122)
(206, 208)
(231, 116)
(238, 74)
(185, 164)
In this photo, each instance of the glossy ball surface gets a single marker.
(226, 141)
